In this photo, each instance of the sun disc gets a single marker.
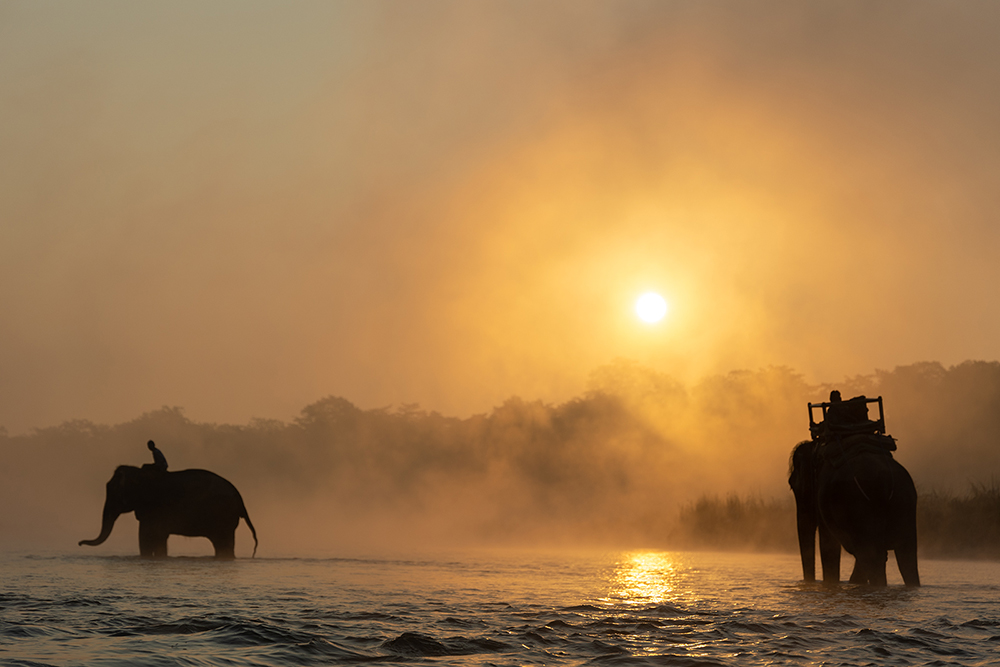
(651, 307)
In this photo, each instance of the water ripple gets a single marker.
(82, 611)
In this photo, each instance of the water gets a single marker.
(500, 608)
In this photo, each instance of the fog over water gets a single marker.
(342, 237)
(609, 468)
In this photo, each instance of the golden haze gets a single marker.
(243, 211)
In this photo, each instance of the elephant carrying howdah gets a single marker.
(850, 489)
(195, 503)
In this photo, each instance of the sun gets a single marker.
(650, 307)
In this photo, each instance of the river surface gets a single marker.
(487, 608)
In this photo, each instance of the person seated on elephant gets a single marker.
(856, 410)
(840, 412)
(159, 460)
(835, 410)
(848, 416)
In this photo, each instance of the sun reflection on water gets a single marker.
(644, 577)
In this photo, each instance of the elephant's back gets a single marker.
(192, 474)
(197, 482)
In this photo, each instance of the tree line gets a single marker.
(635, 460)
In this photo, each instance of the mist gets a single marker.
(241, 207)
(612, 467)
(439, 216)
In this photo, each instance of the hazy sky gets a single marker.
(241, 207)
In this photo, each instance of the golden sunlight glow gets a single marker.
(650, 307)
(644, 578)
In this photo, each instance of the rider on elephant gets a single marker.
(850, 416)
(840, 412)
(159, 460)
(850, 489)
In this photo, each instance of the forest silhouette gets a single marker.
(639, 459)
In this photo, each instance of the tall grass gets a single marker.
(948, 526)
(966, 526)
(737, 524)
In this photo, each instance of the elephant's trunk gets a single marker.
(108, 519)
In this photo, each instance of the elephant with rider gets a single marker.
(849, 488)
(195, 503)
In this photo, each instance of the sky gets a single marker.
(238, 208)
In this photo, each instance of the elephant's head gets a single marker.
(125, 492)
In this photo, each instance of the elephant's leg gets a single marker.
(905, 545)
(807, 545)
(906, 554)
(152, 541)
(869, 566)
(224, 543)
(907, 561)
(868, 543)
(903, 524)
(160, 551)
(829, 555)
(866, 571)
(877, 576)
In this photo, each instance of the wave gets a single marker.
(415, 644)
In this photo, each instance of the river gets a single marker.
(487, 607)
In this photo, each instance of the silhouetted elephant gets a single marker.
(195, 503)
(857, 495)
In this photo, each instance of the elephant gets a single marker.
(858, 496)
(195, 503)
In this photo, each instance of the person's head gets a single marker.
(151, 445)
(834, 398)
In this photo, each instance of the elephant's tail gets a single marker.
(246, 517)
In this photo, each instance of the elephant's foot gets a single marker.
(225, 546)
(869, 572)
(152, 543)
(159, 551)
